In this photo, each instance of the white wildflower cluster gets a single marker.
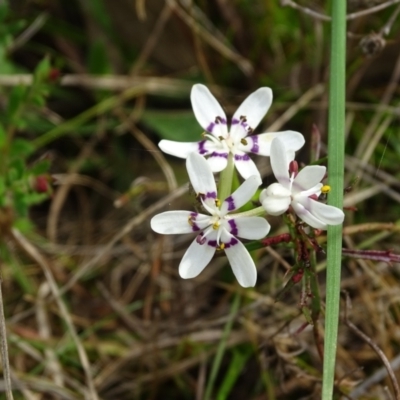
(221, 225)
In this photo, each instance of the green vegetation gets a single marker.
(93, 304)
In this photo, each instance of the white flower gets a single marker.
(218, 230)
(299, 190)
(237, 140)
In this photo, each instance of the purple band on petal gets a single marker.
(244, 157)
(210, 127)
(255, 148)
(202, 150)
(232, 242)
(243, 124)
(234, 229)
(210, 195)
(215, 154)
(218, 120)
(192, 219)
(231, 203)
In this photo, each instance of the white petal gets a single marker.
(257, 144)
(172, 222)
(308, 178)
(315, 190)
(183, 149)
(275, 199)
(241, 263)
(218, 161)
(307, 217)
(245, 165)
(241, 195)
(200, 174)
(252, 228)
(293, 140)
(253, 109)
(261, 144)
(196, 258)
(208, 111)
(280, 162)
(329, 215)
(178, 149)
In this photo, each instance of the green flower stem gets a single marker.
(337, 95)
(222, 347)
(226, 179)
(255, 212)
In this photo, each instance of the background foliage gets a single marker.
(92, 298)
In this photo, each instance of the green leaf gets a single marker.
(40, 168)
(173, 125)
(3, 137)
(20, 205)
(26, 283)
(2, 191)
(42, 70)
(35, 198)
(236, 367)
(21, 148)
(23, 224)
(98, 59)
(2, 186)
(3, 11)
(99, 12)
(15, 100)
(16, 170)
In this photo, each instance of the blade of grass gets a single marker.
(221, 347)
(236, 366)
(337, 96)
(4, 349)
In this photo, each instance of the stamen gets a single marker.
(325, 189)
(216, 225)
(218, 203)
(243, 141)
(243, 118)
(190, 221)
(221, 246)
(200, 196)
(201, 239)
(218, 120)
(293, 168)
(213, 138)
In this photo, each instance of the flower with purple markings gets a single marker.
(239, 140)
(217, 230)
(300, 190)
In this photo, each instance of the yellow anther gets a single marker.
(221, 246)
(218, 202)
(325, 189)
(190, 221)
(216, 225)
(204, 134)
(243, 141)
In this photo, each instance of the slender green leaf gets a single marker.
(337, 95)
(180, 126)
(236, 366)
(221, 348)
